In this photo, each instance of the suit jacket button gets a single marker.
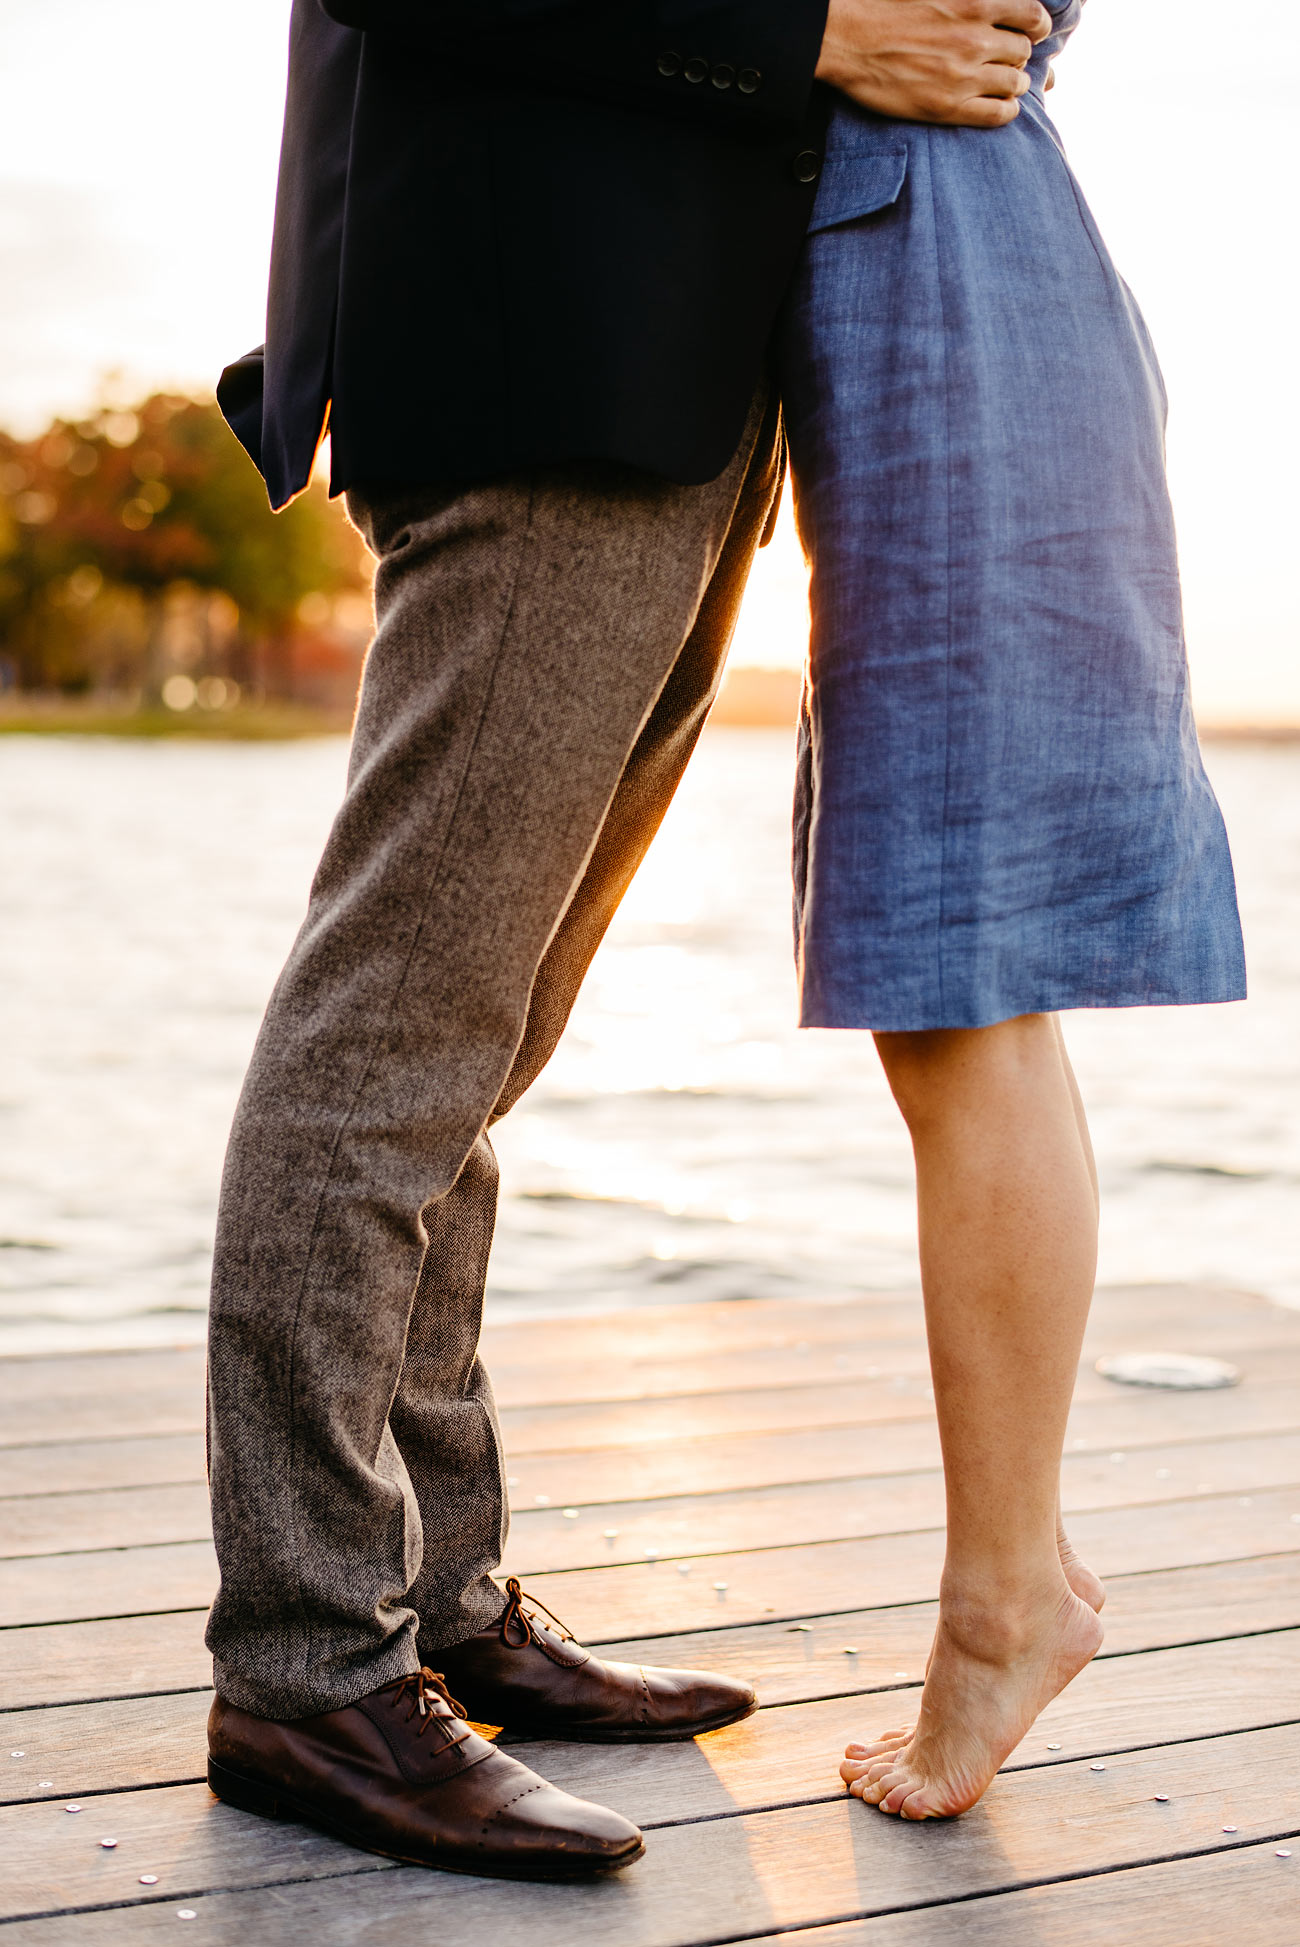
(696, 70)
(670, 63)
(723, 75)
(807, 166)
(750, 81)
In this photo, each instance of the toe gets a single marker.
(915, 1806)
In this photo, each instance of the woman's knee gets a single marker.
(940, 1072)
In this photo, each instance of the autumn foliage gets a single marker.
(137, 548)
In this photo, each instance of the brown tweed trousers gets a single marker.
(546, 651)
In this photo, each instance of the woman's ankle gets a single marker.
(999, 1617)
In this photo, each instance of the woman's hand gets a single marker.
(954, 61)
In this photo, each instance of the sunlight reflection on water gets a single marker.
(686, 1142)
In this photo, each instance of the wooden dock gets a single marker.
(756, 1490)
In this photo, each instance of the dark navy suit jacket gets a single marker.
(514, 232)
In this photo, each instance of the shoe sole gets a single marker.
(561, 1733)
(272, 1802)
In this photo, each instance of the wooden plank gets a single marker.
(853, 1402)
(672, 1331)
(1126, 1420)
(127, 1656)
(651, 1467)
(604, 1603)
(1271, 1340)
(1127, 1423)
(1143, 1611)
(681, 1330)
(547, 1429)
(716, 1880)
(83, 1466)
(1265, 1342)
(115, 1517)
(1238, 1896)
(784, 1755)
(107, 1582)
(137, 1655)
(704, 1522)
(548, 1540)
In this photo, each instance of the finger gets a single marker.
(983, 111)
(1011, 50)
(1004, 83)
(1026, 16)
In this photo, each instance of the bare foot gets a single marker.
(989, 1678)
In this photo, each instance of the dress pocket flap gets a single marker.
(854, 185)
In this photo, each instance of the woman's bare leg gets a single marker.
(1007, 1206)
(1079, 1575)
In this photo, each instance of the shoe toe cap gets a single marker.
(683, 1697)
(550, 1821)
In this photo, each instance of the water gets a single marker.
(686, 1142)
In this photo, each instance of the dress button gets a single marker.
(723, 76)
(696, 70)
(670, 63)
(807, 166)
(750, 81)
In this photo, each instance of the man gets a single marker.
(527, 258)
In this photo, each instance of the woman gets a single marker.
(1000, 813)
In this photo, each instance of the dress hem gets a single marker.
(865, 1020)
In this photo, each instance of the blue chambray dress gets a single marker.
(1000, 805)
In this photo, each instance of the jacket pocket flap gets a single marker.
(855, 185)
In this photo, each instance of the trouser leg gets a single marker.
(527, 629)
(464, 1525)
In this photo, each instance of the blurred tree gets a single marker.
(136, 541)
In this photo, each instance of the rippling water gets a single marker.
(686, 1142)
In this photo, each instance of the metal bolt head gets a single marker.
(542, 1500)
(512, 1480)
(570, 1514)
(1162, 1798)
(1096, 1767)
(849, 1650)
(18, 1754)
(109, 1845)
(45, 1785)
(1230, 1828)
(652, 1554)
(148, 1879)
(900, 1676)
(1284, 1852)
(720, 1587)
(610, 1534)
(186, 1913)
(1053, 1747)
(683, 1568)
(72, 1808)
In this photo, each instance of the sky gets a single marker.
(137, 163)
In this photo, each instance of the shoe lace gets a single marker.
(429, 1698)
(521, 1612)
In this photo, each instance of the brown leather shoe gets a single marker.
(530, 1676)
(398, 1772)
